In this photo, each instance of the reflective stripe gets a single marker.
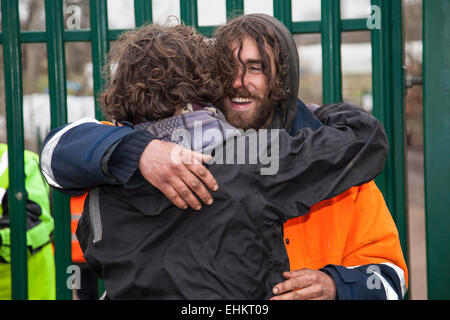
(400, 274)
(390, 292)
(49, 148)
(3, 168)
(94, 214)
(3, 163)
(2, 193)
(103, 297)
(75, 217)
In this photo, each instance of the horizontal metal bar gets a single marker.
(77, 35)
(354, 25)
(33, 36)
(306, 27)
(85, 35)
(69, 36)
(115, 33)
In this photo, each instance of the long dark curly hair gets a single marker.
(155, 70)
(234, 32)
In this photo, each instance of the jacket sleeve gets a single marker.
(304, 118)
(348, 150)
(73, 156)
(373, 265)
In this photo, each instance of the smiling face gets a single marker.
(251, 106)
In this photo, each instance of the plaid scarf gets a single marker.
(200, 127)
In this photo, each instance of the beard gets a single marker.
(255, 118)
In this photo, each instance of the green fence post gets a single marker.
(143, 12)
(398, 127)
(387, 66)
(331, 51)
(382, 87)
(188, 12)
(100, 47)
(234, 8)
(282, 10)
(58, 105)
(436, 117)
(14, 123)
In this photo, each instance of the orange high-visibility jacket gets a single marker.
(353, 229)
(76, 209)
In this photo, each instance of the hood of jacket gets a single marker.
(287, 108)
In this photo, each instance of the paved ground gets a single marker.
(416, 221)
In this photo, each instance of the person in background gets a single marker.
(89, 282)
(41, 263)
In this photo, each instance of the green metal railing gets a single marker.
(14, 123)
(387, 82)
(436, 119)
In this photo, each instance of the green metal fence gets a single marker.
(387, 66)
(436, 117)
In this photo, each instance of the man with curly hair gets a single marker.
(258, 67)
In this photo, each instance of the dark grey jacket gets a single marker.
(143, 247)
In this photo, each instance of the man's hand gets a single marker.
(305, 284)
(177, 173)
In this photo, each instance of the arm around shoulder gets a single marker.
(349, 150)
(71, 156)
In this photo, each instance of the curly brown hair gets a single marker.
(155, 70)
(264, 36)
